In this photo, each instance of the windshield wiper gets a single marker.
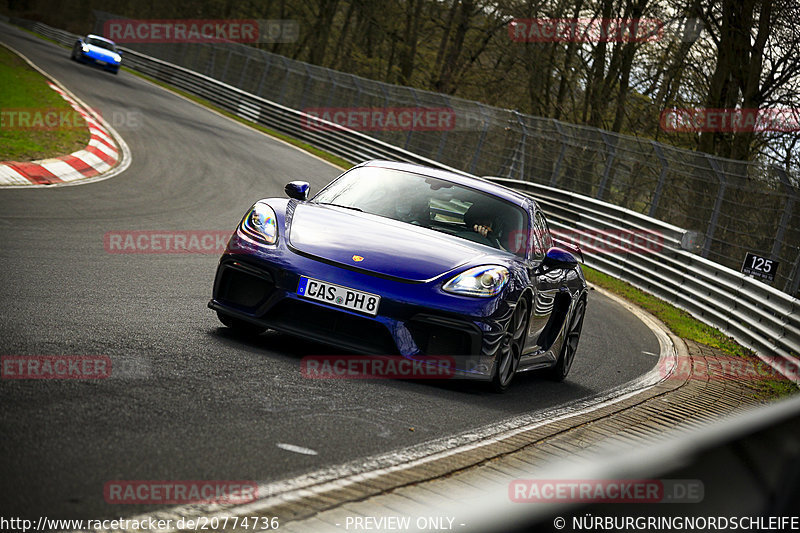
(343, 206)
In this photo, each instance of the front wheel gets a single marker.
(240, 326)
(511, 347)
(571, 337)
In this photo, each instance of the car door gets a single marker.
(545, 285)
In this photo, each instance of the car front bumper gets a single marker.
(415, 320)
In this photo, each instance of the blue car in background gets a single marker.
(404, 260)
(96, 50)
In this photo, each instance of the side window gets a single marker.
(542, 233)
(537, 251)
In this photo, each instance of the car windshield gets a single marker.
(100, 43)
(431, 203)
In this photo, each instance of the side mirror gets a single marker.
(558, 258)
(297, 190)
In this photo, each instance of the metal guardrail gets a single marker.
(756, 315)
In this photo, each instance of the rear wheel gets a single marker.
(240, 326)
(572, 336)
(511, 347)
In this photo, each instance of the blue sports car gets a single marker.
(405, 260)
(99, 51)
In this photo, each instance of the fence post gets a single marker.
(712, 224)
(267, 67)
(481, 140)
(560, 160)
(225, 68)
(786, 216)
(519, 151)
(411, 129)
(661, 177)
(282, 96)
(211, 58)
(793, 282)
(612, 152)
(443, 135)
(244, 70)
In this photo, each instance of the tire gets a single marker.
(562, 367)
(240, 326)
(511, 347)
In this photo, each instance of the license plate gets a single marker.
(101, 62)
(323, 291)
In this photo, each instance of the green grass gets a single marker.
(687, 327)
(27, 103)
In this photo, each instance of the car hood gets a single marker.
(96, 52)
(386, 247)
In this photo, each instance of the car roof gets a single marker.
(100, 38)
(480, 184)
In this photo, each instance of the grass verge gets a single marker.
(687, 327)
(36, 122)
(336, 160)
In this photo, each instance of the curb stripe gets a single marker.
(80, 165)
(100, 146)
(100, 155)
(9, 175)
(34, 172)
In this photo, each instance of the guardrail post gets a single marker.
(611, 149)
(560, 160)
(712, 224)
(481, 140)
(661, 177)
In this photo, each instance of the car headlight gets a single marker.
(85, 48)
(260, 224)
(479, 281)
(117, 59)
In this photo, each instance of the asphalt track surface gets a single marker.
(188, 400)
